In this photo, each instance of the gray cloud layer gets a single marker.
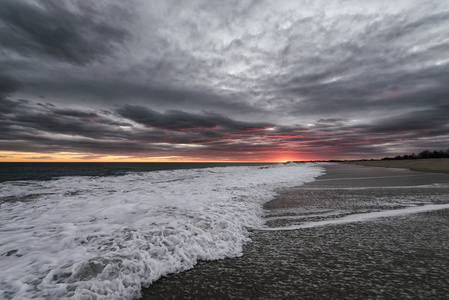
(51, 29)
(321, 79)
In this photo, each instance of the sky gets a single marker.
(142, 80)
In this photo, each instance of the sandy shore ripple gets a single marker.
(437, 165)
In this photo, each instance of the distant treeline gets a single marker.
(423, 154)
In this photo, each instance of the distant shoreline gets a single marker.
(436, 165)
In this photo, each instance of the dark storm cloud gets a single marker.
(49, 129)
(179, 120)
(8, 85)
(7, 106)
(429, 122)
(22, 119)
(330, 80)
(48, 28)
(75, 113)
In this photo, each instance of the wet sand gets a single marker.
(398, 257)
(439, 165)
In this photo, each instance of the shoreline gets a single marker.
(435, 165)
(392, 255)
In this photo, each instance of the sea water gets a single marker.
(106, 237)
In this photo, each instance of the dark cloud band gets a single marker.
(146, 78)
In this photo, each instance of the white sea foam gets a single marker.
(105, 237)
(361, 217)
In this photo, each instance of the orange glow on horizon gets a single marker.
(9, 156)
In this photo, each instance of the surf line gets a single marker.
(361, 217)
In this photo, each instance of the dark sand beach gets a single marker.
(403, 256)
(439, 165)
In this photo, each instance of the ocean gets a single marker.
(105, 231)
